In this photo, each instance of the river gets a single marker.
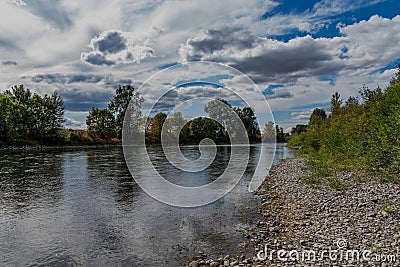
(82, 207)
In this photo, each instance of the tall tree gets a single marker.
(280, 135)
(318, 115)
(269, 134)
(7, 129)
(156, 127)
(119, 105)
(22, 115)
(56, 110)
(221, 111)
(336, 103)
(299, 128)
(250, 123)
(101, 122)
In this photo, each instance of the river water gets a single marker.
(74, 208)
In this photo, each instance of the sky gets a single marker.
(297, 52)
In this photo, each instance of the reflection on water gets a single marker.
(83, 208)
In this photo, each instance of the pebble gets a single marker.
(363, 216)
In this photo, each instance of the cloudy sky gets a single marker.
(297, 52)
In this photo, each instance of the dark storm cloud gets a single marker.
(52, 11)
(112, 42)
(65, 79)
(110, 83)
(8, 63)
(83, 100)
(264, 60)
(96, 58)
(220, 39)
(51, 78)
(283, 94)
(289, 63)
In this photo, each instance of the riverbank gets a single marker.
(18, 149)
(301, 217)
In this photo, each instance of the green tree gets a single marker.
(299, 128)
(7, 129)
(174, 124)
(249, 120)
(156, 127)
(125, 96)
(21, 115)
(48, 113)
(268, 134)
(221, 111)
(101, 122)
(280, 135)
(336, 103)
(317, 117)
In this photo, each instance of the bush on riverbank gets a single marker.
(363, 133)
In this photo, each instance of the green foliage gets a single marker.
(359, 135)
(28, 118)
(125, 97)
(156, 127)
(101, 122)
(317, 117)
(250, 123)
(280, 135)
(194, 131)
(269, 133)
(300, 128)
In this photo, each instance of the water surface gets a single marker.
(72, 208)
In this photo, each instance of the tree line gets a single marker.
(108, 122)
(361, 133)
(30, 119)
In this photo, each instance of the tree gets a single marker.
(299, 128)
(101, 122)
(156, 127)
(33, 117)
(221, 111)
(317, 116)
(336, 103)
(48, 113)
(268, 134)
(197, 129)
(119, 105)
(174, 124)
(351, 102)
(250, 123)
(7, 129)
(21, 115)
(280, 135)
(56, 109)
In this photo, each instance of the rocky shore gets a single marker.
(321, 224)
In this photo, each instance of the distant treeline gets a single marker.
(361, 133)
(105, 124)
(27, 118)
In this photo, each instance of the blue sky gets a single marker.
(297, 52)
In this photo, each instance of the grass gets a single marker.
(387, 207)
(336, 184)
